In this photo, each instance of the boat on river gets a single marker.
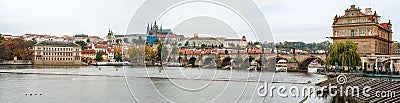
(281, 66)
(112, 64)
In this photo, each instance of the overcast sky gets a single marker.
(290, 20)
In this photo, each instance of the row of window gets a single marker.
(58, 54)
(57, 49)
(55, 58)
(355, 20)
(353, 32)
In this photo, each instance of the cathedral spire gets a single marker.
(147, 28)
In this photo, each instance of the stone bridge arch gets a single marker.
(208, 61)
(300, 62)
(226, 61)
(271, 62)
(303, 64)
(192, 61)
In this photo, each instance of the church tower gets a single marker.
(110, 34)
(154, 29)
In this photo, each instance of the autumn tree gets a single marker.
(19, 48)
(118, 54)
(150, 53)
(5, 52)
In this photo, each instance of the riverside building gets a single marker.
(57, 53)
(365, 30)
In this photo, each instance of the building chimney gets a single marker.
(368, 11)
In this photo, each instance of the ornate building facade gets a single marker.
(365, 30)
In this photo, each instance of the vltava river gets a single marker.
(140, 84)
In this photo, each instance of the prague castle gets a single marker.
(365, 30)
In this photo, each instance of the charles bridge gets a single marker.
(295, 62)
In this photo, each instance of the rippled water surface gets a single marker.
(141, 84)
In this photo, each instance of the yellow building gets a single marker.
(57, 53)
(365, 30)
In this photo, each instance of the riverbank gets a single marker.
(16, 62)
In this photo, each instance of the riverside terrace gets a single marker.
(380, 90)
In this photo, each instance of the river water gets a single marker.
(147, 84)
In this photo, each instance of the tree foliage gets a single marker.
(99, 56)
(83, 44)
(135, 52)
(162, 52)
(325, 45)
(5, 52)
(151, 54)
(118, 54)
(344, 54)
(18, 47)
(1, 37)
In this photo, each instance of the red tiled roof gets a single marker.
(109, 49)
(370, 17)
(89, 51)
(384, 25)
(100, 46)
(94, 37)
(234, 40)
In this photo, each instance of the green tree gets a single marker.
(186, 43)
(344, 54)
(83, 44)
(135, 52)
(99, 56)
(175, 50)
(202, 45)
(162, 53)
(118, 56)
(87, 40)
(126, 40)
(1, 37)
